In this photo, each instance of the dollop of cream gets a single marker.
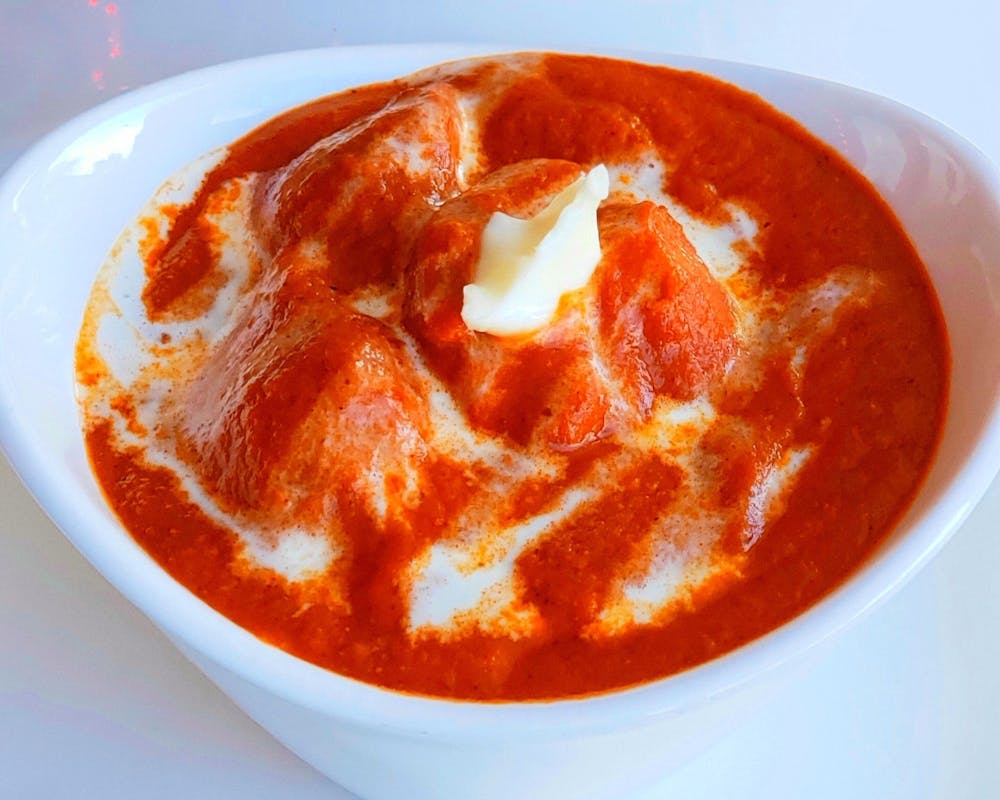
(526, 265)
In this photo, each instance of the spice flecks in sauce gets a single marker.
(286, 409)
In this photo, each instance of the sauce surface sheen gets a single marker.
(284, 407)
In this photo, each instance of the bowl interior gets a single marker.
(64, 203)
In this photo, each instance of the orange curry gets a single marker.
(687, 456)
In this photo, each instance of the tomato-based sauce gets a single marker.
(285, 408)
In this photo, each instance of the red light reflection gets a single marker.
(114, 42)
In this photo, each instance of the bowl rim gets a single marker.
(185, 617)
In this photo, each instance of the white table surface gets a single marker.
(94, 702)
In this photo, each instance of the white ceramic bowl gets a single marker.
(65, 202)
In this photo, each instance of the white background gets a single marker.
(95, 703)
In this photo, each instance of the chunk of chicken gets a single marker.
(652, 322)
(304, 405)
(362, 192)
